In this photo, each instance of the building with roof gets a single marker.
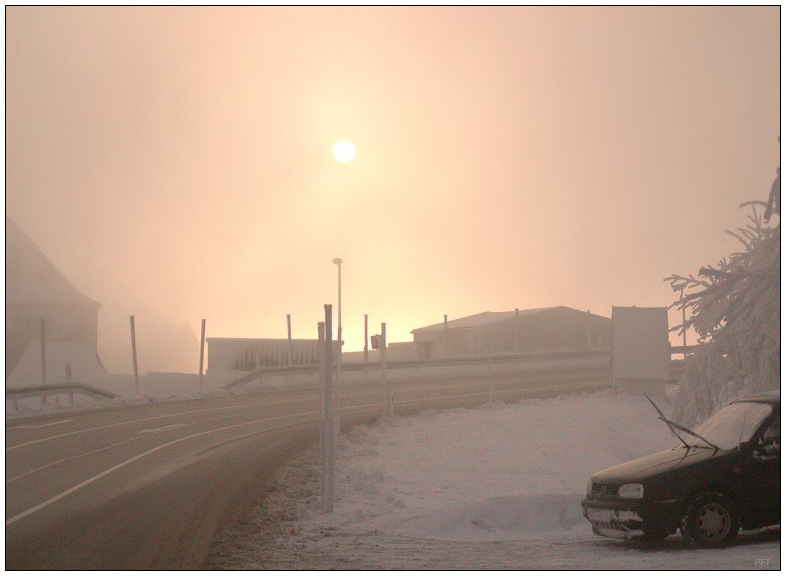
(37, 294)
(514, 332)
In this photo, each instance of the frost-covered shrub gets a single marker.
(735, 309)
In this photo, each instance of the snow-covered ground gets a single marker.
(495, 487)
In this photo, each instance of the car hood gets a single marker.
(646, 466)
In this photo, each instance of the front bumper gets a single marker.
(619, 518)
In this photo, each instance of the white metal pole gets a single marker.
(324, 431)
(337, 413)
(329, 438)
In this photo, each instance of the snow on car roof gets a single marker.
(769, 396)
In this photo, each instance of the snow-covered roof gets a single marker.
(31, 279)
(485, 319)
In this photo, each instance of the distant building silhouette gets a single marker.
(541, 329)
(35, 290)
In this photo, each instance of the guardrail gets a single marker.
(436, 368)
(44, 392)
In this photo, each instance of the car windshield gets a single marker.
(734, 424)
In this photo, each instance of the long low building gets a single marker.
(512, 332)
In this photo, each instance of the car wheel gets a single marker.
(711, 521)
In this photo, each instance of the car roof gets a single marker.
(770, 397)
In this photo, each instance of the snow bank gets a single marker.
(501, 472)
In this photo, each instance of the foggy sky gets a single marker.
(177, 161)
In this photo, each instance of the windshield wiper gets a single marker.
(674, 425)
(689, 431)
(663, 417)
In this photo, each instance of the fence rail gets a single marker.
(436, 368)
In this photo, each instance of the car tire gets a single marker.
(711, 521)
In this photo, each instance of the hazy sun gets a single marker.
(344, 151)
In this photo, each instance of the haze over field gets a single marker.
(176, 163)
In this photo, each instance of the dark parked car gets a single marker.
(724, 476)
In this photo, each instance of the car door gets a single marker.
(762, 476)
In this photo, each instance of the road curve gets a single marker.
(148, 487)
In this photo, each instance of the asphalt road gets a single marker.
(148, 487)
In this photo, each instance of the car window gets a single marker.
(734, 424)
(769, 445)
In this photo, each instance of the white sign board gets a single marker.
(641, 351)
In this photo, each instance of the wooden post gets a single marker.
(488, 354)
(365, 338)
(322, 404)
(202, 355)
(387, 409)
(321, 368)
(491, 383)
(447, 349)
(589, 330)
(289, 340)
(43, 352)
(133, 355)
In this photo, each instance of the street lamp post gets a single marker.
(337, 262)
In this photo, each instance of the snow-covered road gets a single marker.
(496, 487)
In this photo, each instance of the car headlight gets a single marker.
(631, 491)
(589, 488)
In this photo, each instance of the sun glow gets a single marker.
(344, 151)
